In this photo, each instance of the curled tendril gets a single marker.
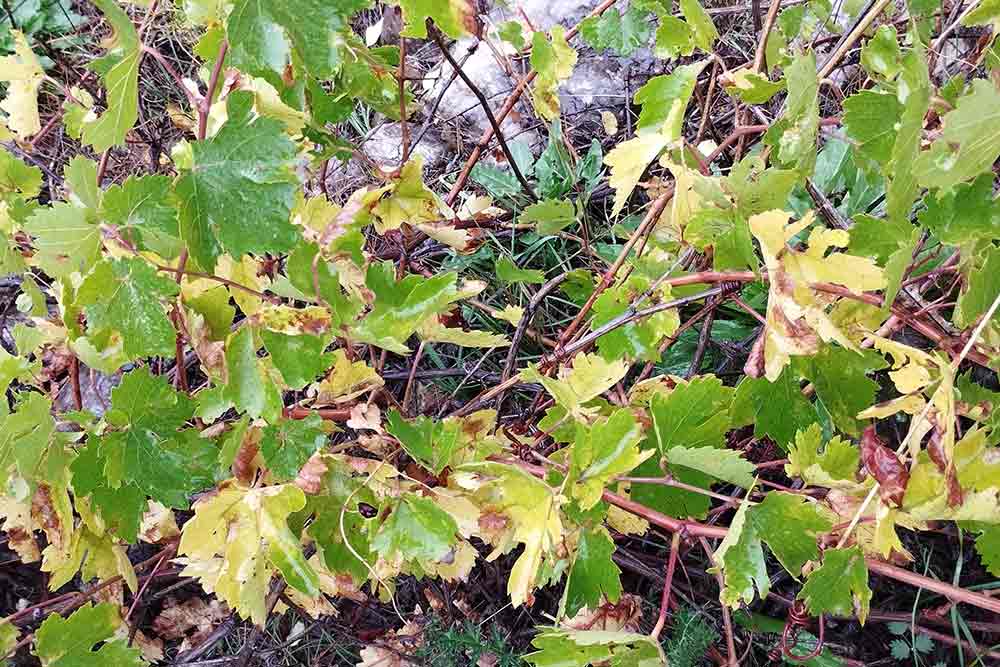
(798, 618)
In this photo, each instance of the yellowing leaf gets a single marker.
(553, 61)
(797, 316)
(408, 200)
(628, 161)
(590, 377)
(531, 514)
(346, 380)
(238, 538)
(24, 75)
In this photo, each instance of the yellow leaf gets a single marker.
(797, 318)
(628, 160)
(346, 380)
(408, 200)
(610, 122)
(24, 74)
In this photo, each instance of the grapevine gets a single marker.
(735, 349)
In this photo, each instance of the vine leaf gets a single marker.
(237, 195)
(119, 70)
(431, 442)
(796, 316)
(594, 575)
(694, 414)
(603, 451)
(145, 211)
(565, 647)
(417, 529)
(454, 17)
(554, 62)
(871, 118)
(530, 508)
(300, 359)
(70, 641)
(988, 548)
(590, 377)
(776, 409)
(664, 100)
(790, 525)
(238, 537)
(832, 466)
(23, 74)
(723, 464)
(287, 445)
(969, 143)
(793, 136)
(265, 35)
(914, 93)
(126, 295)
(66, 239)
(740, 558)
(622, 33)
(839, 586)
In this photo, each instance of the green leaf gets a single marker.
(981, 290)
(28, 445)
(590, 377)
(695, 414)
(238, 194)
(66, 239)
(508, 272)
(794, 135)
(551, 216)
(664, 100)
(287, 445)
(594, 575)
(674, 38)
(988, 548)
(81, 179)
(880, 55)
(430, 442)
(265, 34)
(622, 33)
(417, 529)
(839, 586)
(401, 307)
(871, 119)
(753, 87)
(513, 33)
(119, 70)
(498, 182)
(914, 93)
(127, 295)
(299, 359)
(776, 409)
(835, 464)
(639, 339)
(840, 377)
(602, 452)
(248, 387)
(147, 447)
(789, 524)
(144, 210)
(969, 143)
(702, 28)
(965, 213)
(453, 17)
(724, 464)
(565, 647)
(740, 557)
(70, 641)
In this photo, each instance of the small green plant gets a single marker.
(464, 645)
(39, 20)
(691, 637)
(908, 644)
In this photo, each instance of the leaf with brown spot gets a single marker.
(883, 464)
